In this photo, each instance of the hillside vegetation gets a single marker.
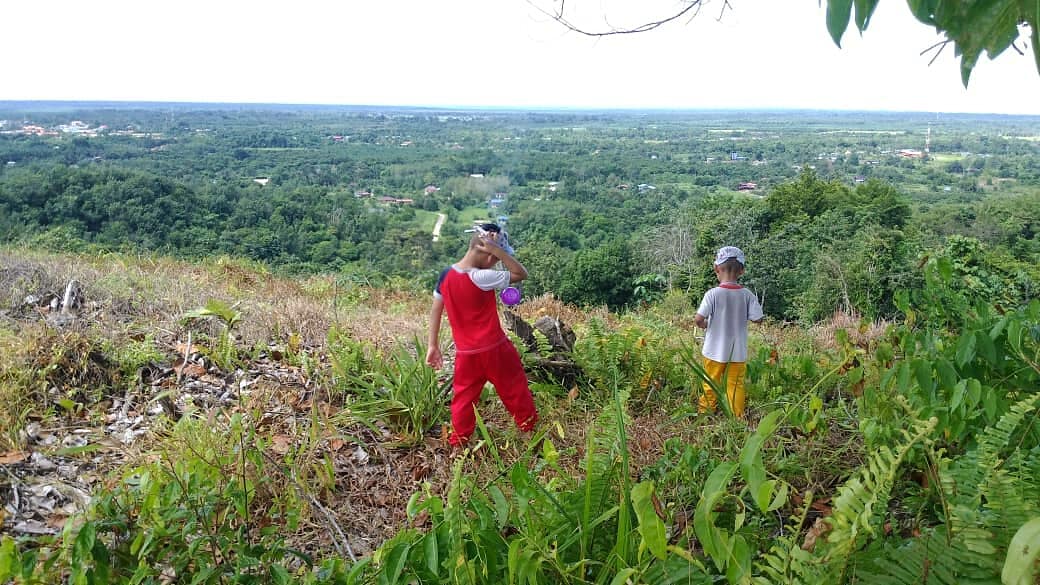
(212, 329)
(297, 440)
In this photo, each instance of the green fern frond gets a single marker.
(545, 348)
(967, 481)
(928, 559)
(860, 501)
(989, 499)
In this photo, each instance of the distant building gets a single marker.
(431, 189)
(396, 200)
(747, 186)
(476, 175)
(262, 181)
(910, 153)
(362, 194)
(859, 179)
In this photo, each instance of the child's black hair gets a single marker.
(730, 265)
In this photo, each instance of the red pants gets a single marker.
(501, 366)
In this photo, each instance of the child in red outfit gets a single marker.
(483, 353)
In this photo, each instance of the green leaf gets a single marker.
(974, 392)
(947, 375)
(957, 397)
(903, 378)
(924, 10)
(279, 575)
(989, 403)
(740, 568)
(711, 538)
(780, 498)
(396, 561)
(7, 558)
(864, 10)
(838, 14)
(651, 528)
(985, 347)
(622, 577)
(1014, 330)
(84, 544)
(501, 505)
(1020, 564)
(965, 349)
(432, 553)
(923, 375)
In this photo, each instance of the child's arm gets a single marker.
(433, 347)
(700, 321)
(755, 312)
(517, 272)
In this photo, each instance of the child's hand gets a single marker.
(434, 357)
(489, 244)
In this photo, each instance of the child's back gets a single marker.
(725, 311)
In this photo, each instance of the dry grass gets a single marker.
(862, 333)
(548, 305)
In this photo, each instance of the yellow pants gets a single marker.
(734, 374)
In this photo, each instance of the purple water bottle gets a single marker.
(510, 296)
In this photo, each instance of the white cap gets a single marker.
(727, 252)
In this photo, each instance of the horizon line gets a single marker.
(499, 107)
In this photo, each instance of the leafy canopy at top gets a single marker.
(973, 26)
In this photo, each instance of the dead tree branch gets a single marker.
(692, 9)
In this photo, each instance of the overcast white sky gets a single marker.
(762, 54)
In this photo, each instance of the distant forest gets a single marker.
(836, 210)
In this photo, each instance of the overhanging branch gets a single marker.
(692, 8)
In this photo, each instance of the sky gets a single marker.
(761, 54)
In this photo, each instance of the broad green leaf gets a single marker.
(1015, 335)
(432, 551)
(764, 494)
(947, 375)
(838, 14)
(396, 561)
(903, 378)
(957, 397)
(412, 508)
(1020, 564)
(651, 527)
(501, 505)
(713, 540)
(965, 349)
(515, 548)
(84, 544)
(923, 375)
(985, 347)
(864, 10)
(622, 577)
(974, 392)
(279, 575)
(739, 568)
(989, 403)
(7, 558)
(780, 499)
(855, 375)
